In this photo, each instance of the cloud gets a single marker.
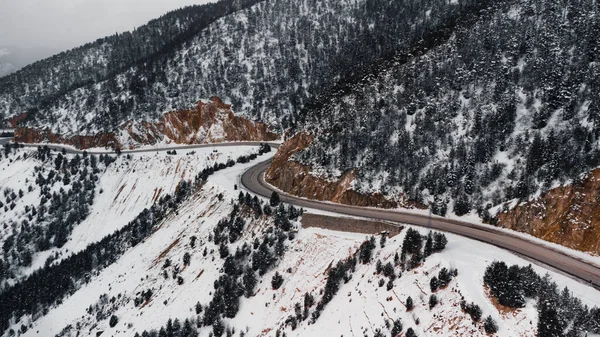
(64, 24)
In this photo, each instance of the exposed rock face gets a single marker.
(209, 122)
(568, 215)
(295, 178)
(28, 135)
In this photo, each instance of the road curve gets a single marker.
(253, 180)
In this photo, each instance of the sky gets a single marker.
(64, 24)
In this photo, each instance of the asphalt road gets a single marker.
(253, 180)
(179, 147)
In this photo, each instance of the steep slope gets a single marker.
(42, 83)
(49, 212)
(504, 107)
(152, 287)
(568, 215)
(267, 61)
(210, 121)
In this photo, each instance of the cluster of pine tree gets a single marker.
(560, 313)
(504, 108)
(67, 189)
(242, 268)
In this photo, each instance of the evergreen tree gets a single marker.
(409, 303)
(274, 200)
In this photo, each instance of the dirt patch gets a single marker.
(343, 224)
(503, 310)
(156, 195)
(567, 215)
(165, 252)
(119, 192)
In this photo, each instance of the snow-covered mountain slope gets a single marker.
(215, 237)
(120, 191)
(266, 60)
(210, 121)
(503, 108)
(99, 60)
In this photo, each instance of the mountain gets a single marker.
(480, 109)
(266, 60)
(41, 84)
(502, 107)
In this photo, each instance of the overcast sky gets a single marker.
(64, 24)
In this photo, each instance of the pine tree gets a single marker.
(277, 281)
(428, 245)
(274, 200)
(409, 303)
(490, 325)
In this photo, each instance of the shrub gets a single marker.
(277, 280)
(113, 321)
(434, 284)
(490, 325)
(409, 303)
(433, 301)
(472, 309)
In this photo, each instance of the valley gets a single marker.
(307, 168)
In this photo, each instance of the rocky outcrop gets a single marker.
(28, 135)
(568, 215)
(295, 178)
(209, 122)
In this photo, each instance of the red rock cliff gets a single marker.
(568, 215)
(209, 122)
(295, 178)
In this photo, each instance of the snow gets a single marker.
(131, 185)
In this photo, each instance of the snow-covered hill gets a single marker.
(121, 190)
(217, 239)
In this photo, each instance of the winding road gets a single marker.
(253, 180)
(178, 147)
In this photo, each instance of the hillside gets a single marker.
(266, 60)
(55, 205)
(209, 122)
(206, 265)
(504, 107)
(43, 83)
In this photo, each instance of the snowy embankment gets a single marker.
(125, 188)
